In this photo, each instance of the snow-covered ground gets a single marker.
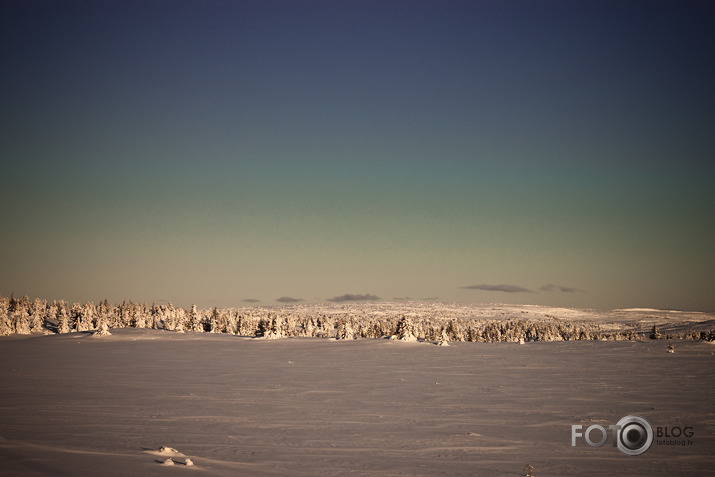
(75, 404)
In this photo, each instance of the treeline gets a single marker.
(23, 316)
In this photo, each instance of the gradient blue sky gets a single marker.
(211, 152)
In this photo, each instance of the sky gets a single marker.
(227, 153)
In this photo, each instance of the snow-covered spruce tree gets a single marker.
(242, 326)
(290, 325)
(231, 322)
(432, 330)
(256, 323)
(113, 314)
(205, 316)
(125, 315)
(22, 317)
(531, 334)
(222, 321)
(102, 312)
(194, 320)
(102, 326)
(171, 318)
(345, 329)
(208, 321)
(168, 315)
(138, 318)
(364, 327)
(63, 321)
(384, 325)
(405, 330)
(84, 315)
(38, 315)
(154, 314)
(275, 329)
(212, 324)
(472, 331)
(180, 320)
(326, 326)
(62, 317)
(51, 316)
(321, 326)
(6, 327)
(11, 304)
(491, 333)
(76, 316)
(420, 327)
(264, 326)
(310, 328)
(456, 329)
(443, 337)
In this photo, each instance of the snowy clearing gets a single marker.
(123, 404)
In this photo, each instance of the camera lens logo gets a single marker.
(634, 435)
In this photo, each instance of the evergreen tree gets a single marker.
(138, 318)
(169, 317)
(12, 304)
(443, 338)
(211, 325)
(231, 322)
(155, 314)
(76, 317)
(405, 330)
(181, 319)
(102, 326)
(22, 319)
(345, 329)
(194, 320)
(6, 327)
(38, 315)
(63, 321)
(103, 313)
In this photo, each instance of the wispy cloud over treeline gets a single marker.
(288, 299)
(351, 297)
(558, 288)
(500, 288)
(519, 289)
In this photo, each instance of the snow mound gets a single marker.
(166, 451)
(104, 331)
(173, 457)
(406, 337)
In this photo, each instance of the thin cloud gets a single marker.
(288, 299)
(558, 288)
(351, 297)
(251, 300)
(500, 288)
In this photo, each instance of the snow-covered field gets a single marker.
(76, 404)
